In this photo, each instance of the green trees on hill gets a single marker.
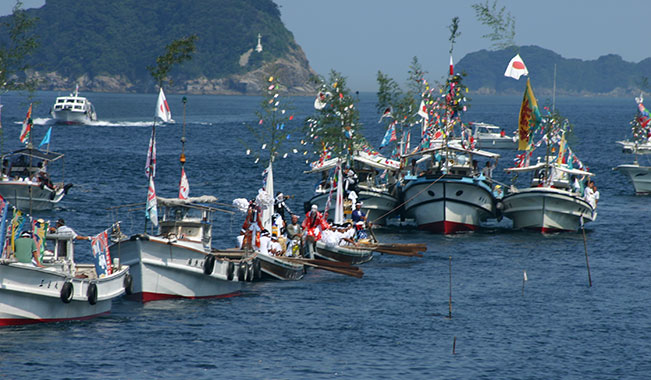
(122, 37)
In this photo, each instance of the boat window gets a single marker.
(77, 107)
(60, 100)
(79, 101)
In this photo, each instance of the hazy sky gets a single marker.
(360, 37)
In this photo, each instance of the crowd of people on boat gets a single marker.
(296, 238)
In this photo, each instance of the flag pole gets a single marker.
(182, 158)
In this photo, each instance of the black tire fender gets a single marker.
(91, 293)
(128, 284)
(66, 292)
(241, 271)
(230, 270)
(209, 264)
(257, 269)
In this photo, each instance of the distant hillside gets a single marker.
(607, 75)
(105, 45)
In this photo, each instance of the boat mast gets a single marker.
(183, 139)
(554, 91)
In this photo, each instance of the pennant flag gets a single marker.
(27, 126)
(39, 230)
(561, 150)
(390, 135)
(451, 66)
(529, 116)
(339, 203)
(46, 138)
(525, 276)
(184, 186)
(4, 207)
(101, 254)
(151, 211)
(150, 165)
(386, 113)
(516, 68)
(163, 109)
(422, 110)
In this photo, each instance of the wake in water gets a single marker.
(98, 123)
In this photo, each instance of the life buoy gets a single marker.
(66, 292)
(230, 270)
(241, 272)
(128, 284)
(209, 264)
(91, 293)
(257, 269)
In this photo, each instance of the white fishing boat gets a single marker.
(62, 290)
(378, 196)
(450, 195)
(555, 199)
(552, 203)
(25, 181)
(73, 109)
(488, 136)
(639, 175)
(179, 261)
(629, 146)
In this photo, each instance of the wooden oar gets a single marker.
(389, 251)
(354, 273)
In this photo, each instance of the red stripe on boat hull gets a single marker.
(447, 227)
(27, 321)
(147, 296)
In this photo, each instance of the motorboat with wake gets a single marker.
(73, 109)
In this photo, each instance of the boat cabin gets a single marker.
(189, 222)
(27, 163)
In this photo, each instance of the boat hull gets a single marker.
(33, 295)
(448, 205)
(343, 254)
(640, 176)
(496, 143)
(30, 196)
(546, 210)
(72, 117)
(377, 205)
(163, 269)
(279, 269)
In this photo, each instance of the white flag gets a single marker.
(163, 109)
(151, 211)
(516, 68)
(184, 186)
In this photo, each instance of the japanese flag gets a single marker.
(163, 109)
(184, 186)
(516, 68)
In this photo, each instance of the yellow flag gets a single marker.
(529, 117)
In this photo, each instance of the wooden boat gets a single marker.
(279, 268)
(61, 291)
(343, 253)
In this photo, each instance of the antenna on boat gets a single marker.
(554, 91)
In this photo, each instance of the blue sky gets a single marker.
(360, 37)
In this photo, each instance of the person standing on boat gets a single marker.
(252, 226)
(26, 249)
(359, 220)
(487, 171)
(62, 229)
(280, 206)
(313, 224)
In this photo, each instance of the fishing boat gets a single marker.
(555, 199)
(179, 262)
(26, 182)
(378, 196)
(640, 175)
(450, 194)
(489, 136)
(635, 147)
(61, 290)
(280, 268)
(73, 109)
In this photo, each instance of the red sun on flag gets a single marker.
(518, 65)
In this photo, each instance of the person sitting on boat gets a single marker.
(275, 249)
(26, 250)
(502, 133)
(265, 242)
(62, 229)
(252, 225)
(295, 236)
(347, 235)
(313, 224)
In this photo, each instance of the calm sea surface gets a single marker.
(391, 324)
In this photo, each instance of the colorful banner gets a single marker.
(101, 255)
(27, 126)
(529, 117)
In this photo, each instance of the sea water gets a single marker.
(397, 321)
